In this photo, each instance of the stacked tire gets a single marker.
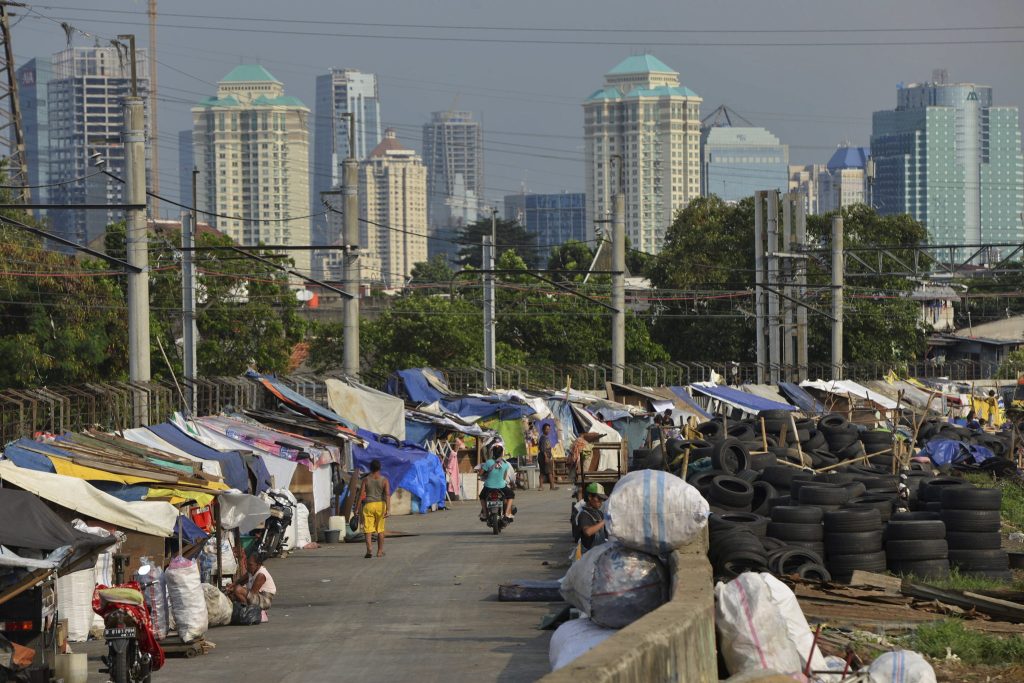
(853, 540)
(798, 526)
(971, 517)
(915, 545)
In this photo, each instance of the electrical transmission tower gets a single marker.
(12, 135)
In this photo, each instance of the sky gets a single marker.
(811, 72)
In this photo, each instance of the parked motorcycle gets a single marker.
(270, 542)
(495, 506)
(133, 652)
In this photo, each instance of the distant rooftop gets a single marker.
(390, 143)
(1007, 329)
(848, 157)
(249, 72)
(641, 64)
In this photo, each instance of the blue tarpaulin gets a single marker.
(683, 395)
(801, 398)
(413, 386)
(126, 492)
(406, 466)
(232, 466)
(945, 452)
(189, 531)
(633, 430)
(298, 402)
(20, 456)
(741, 399)
(419, 432)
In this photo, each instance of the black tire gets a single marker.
(816, 546)
(918, 516)
(819, 494)
(849, 520)
(764, 493)
(119, 666)
(981, 560)
(702, 481)
(769, 544)
(921, 569)
(844, 565)
(833, 477)
(854, 450)
(926, 549)
(934, 507)
(808, 533)
(790, 561)
(971, 520)
(781, 501)
(741, 431)
(749, 476)
(833, 421)
(821, 459)
(970, 498)
(712, 431)
(730, 455)
(814, 572)
(734, 565)
(856, 489)
(762, 461)
(853, 542)
(881, 502)
(887, 483)
(931, 492)
(782, 476)
(495, 526)
(914, 530)
(792, 514)
(756, 524)
(731, 491)
(971, 540)
(723, 546)
(815, 441)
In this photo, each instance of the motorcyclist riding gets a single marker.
(497, 473)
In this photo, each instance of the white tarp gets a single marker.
(845, 387)
(280, 469)
(148, 517)
(242, 511)
(9, 558)
(144, 437)
(367, 408)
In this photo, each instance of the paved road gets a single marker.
(426, 612)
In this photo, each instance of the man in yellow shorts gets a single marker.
(376, 496)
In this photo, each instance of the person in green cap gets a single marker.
(591, 517)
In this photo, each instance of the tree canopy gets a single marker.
(511, 236)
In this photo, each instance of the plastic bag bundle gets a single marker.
(901, 666)
(302, 535)
(185, 595)
(575, 638)
(655, 512)
(218, 606)
(615, 585)
(753, 633)
(156, 597)
(74, 603)
(796, 623)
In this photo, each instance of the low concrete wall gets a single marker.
(676, 642)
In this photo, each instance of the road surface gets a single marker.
(428, 611)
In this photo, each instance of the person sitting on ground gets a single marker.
(590, 520)
(376, 507)
(496, 474)
(256, 586)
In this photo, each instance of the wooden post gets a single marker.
(764, 436)
(686, 463)
(852, 461)
(796, 433)
(220, 566)
(897, 463)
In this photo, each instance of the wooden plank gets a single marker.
(994, 607)
(25, 584)
(886, 583)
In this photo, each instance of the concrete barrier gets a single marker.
(676, 642)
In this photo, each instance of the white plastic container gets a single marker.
(72, 668)
(337, 522)
(470, 486)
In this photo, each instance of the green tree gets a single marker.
(1012, 366)
(574, 256)
(434, 271)
(511, 236)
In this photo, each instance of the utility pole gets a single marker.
(788, 328)
(762, 355)
(154, 147)
(490, 360)
(619, 279)
(353, 274)
(188, 306)
(800, 231)
(774, 357)
(12, 134)
(837, 296)
(136, 236)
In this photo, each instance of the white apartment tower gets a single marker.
(393, 209)
(251, 146)
(454, 155)
(644, 117)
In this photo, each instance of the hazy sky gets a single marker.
(815, 85)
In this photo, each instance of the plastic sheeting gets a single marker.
(144, 437)
(425, 386)
(235, 473)
(799, 397)
(298, 402)
(367, 408)
(740, 399)
(407, 466)
(148, 517)
(242, 511)
(945, 452)
(845, 387)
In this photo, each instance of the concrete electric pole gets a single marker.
(136, 237)
(490, 344)
(189, 333)
(619, 280)
(837, 297)
(353, 274)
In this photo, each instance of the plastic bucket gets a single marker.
(332, 535)
(337, 522)
(73, 668)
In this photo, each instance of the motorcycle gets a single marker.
(495, 506)
(271, 538)
(133, 652)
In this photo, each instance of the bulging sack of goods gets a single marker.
(655, 512)
(574, 638)
(901, 666)
(615, 585)
(188, 603)
(218, 606)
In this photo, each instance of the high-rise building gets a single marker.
(737, 161)
(250, 143)
(33, 79)
(951, 159)
(843, 182)
(553, 219)
(454, 155)
(85, 114)
(393, 206)
(342, 91)
(186, 162)
(805, 179)
(642, 129)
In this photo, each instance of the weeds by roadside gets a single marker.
(950, 636)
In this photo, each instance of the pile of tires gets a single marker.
(972, 521)
(853, 540)
(915, 545)
(739, 544)
(798, 526)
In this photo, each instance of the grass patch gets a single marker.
(965, 582)
(1012, 509)
(972, 647)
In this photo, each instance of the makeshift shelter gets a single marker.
(406, 466)
(367, 408)
(765, 391)
(423, 386)
(847, 396)
(734, 398)
(297, 401)
(31, 525)
(692, 407)
(232, 464)
(799, 397)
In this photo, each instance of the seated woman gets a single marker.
(255, 587)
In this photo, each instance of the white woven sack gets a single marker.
(574, 638)
(303, 537)
(185, 594)
(901, 666)
(752, 629)
(796, 623)
(218, 606)
(74, 602)
(656, 512)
